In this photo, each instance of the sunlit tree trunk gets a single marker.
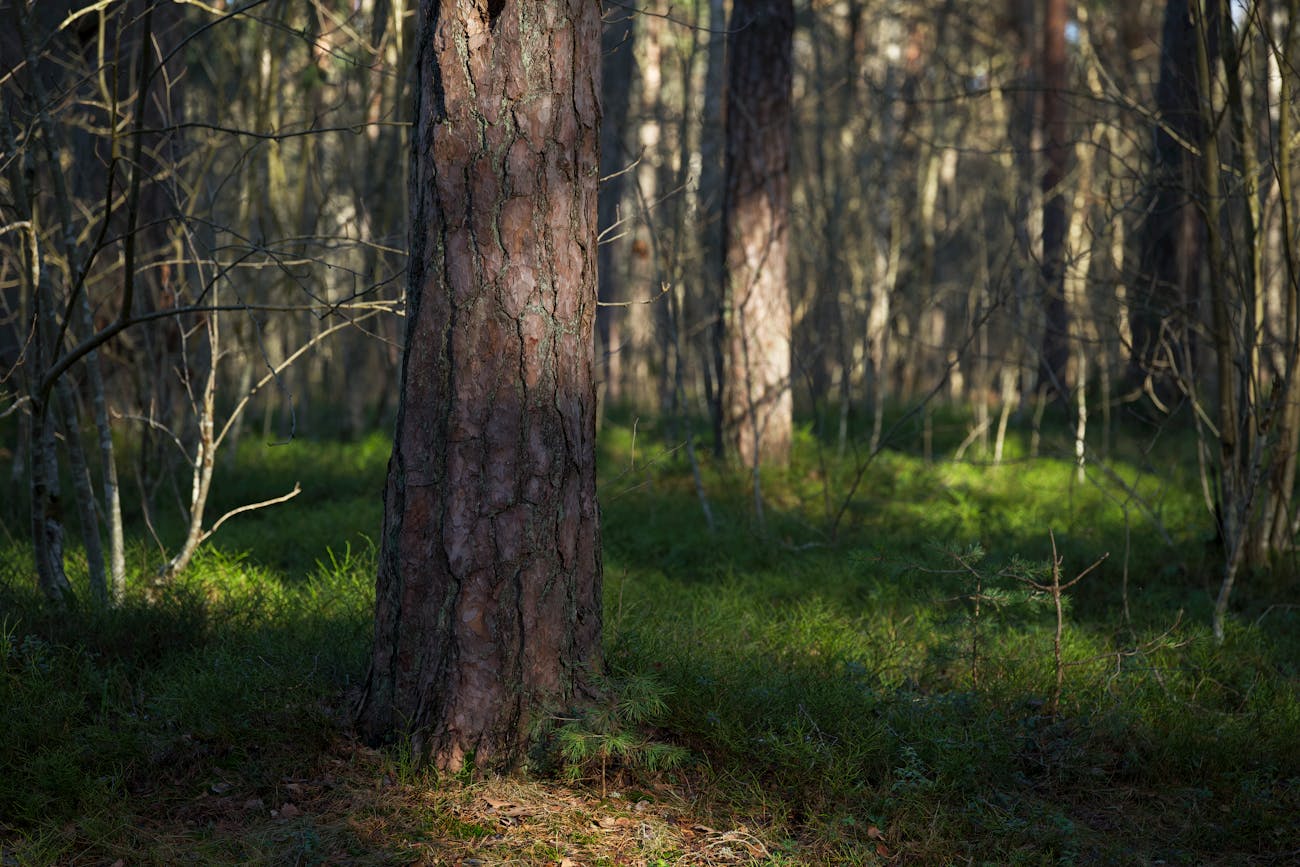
(1279, 523)
(642, 327)
(488, 604)
(757, 397)
(203, 463)
(1234, 457)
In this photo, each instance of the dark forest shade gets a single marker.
(488, 594)
(1172, 251)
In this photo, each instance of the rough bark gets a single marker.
(488, 593)
(756, 395)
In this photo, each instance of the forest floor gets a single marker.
(866, 676)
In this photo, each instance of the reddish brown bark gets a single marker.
(1056, 325)
(488, 593)
(757, 402)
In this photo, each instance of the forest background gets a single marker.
(1040, 307)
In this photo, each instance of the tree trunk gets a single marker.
(617, 72)
(1171, 254)
(488, 606)
(712, 196)
(1279, 522)
(757, 397)
(83, 490)
(1056, 317)
(1023, 132)
(47, 513)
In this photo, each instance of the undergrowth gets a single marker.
(856, 680)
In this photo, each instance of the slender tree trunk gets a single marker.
(1280, 519)
(488, 607)
(1234, 477)
(83, 490)
(1023, 131)
(712, 195)
(39, 317)
(878, 309)
(47, 514)
(1171, 254)
(817, 345)
(758, 402)
(851, 287)
(1055, 355)
(108, 467)
(205, 454)
(617, 71)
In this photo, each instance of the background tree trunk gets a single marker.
(617, 73)
(1171, 255)
(488, 595)
(757, 396)
(711, 196)
(1056, 317)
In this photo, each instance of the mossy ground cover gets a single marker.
(874, 689)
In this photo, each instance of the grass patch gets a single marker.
(844, 684)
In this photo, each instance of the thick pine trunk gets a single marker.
(488, 594)
(758, 407)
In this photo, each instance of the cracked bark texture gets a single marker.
(757, 401)
(488, 593)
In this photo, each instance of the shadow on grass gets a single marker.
(827, 687)
(860, 681)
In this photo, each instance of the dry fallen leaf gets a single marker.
(509, 809)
